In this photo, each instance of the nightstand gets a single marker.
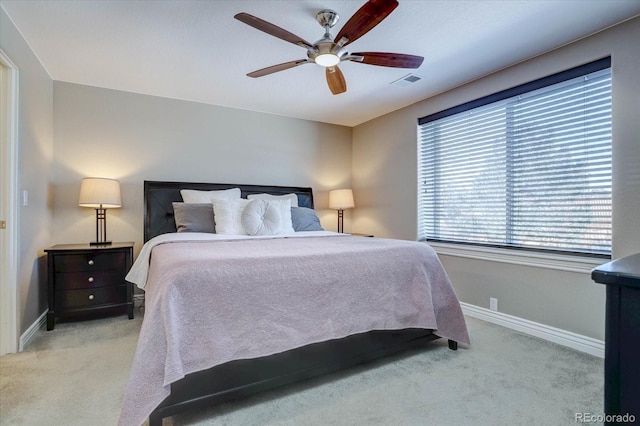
(87, 280)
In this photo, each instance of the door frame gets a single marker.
(9, 242)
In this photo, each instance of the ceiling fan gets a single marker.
(328, 51)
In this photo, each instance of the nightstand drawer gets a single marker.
(89, 262)
(89, 279)
(91, 297)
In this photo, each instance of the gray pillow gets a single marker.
(194, 217)
(305, 219)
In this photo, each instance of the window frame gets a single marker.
(507, 253)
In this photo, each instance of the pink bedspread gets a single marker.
(209, 302)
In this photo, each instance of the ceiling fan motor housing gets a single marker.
(325, 52)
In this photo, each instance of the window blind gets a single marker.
(528, 168)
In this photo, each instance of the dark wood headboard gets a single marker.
(159, 196)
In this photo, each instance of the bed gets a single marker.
(219, 322)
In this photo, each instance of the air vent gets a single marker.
(406, 80)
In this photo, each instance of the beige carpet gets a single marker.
(75, 375)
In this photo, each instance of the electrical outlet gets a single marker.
(493, 303)
(138, 300)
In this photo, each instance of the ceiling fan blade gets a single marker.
(367, 17)
(397, 60)
(335, 80)
(279, 67)
(271, 29)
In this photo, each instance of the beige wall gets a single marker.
(385, 182)
(131, 137)
(35, 139)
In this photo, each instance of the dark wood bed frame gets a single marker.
(241, 378)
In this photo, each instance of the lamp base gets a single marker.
(340, 221)
(101, 228)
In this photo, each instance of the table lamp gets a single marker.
(100, 194)
(340, 199)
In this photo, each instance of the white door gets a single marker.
(8, 205)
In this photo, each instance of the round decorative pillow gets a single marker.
(262, 217)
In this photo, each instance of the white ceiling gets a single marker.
(197, 51)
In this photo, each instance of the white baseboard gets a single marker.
(562, 337)
(31, 331)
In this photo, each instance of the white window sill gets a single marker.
(579, 264)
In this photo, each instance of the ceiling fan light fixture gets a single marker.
(327, 59)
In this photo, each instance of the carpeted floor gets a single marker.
(75, 375)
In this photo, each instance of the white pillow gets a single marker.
(262, 217)
(285, 211)
(284, 207)
(227, 214)
(292, 197)
(195, 196)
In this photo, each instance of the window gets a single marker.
(526, 168)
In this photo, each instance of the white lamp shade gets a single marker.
(100, 193)
(340, 199)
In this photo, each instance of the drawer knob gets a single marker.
(91, 262)
(90, 279)
(91, 296)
